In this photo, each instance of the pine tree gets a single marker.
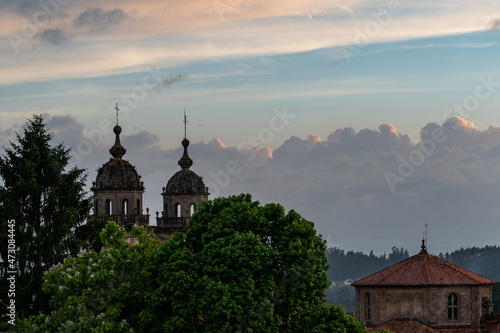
(49, 204)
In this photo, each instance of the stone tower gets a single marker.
(181, 197)
(118, 189)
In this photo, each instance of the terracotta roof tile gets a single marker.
(491, 324)
(414, 326)
(423, 269)
(403, 326)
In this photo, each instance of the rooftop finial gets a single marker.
(185, 124)
(423, 248)
(185, 162)
(424, 241)
(117, 151)
(117, 109)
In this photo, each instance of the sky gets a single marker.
(369, 118)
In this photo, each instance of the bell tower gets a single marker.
(118, 189)
(183, 193)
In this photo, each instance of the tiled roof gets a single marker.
(403, 326)
(490, 325)
(423, 269)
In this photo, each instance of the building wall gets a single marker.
(170, 202)
(429, 304)
(117, 197)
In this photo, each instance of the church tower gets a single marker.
(118, 188)
(182, 195)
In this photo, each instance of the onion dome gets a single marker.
(117, 174)
(117, 151)
(186, 181)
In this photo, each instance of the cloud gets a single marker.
(339, 183)
(53, 36)
(98, 19)
(22, 7)
(463, 134)
(494, 24)
(170, 80)
(193, 30)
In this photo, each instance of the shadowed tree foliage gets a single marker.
(98, 291)
(496, 297)
(355, 265)
(241, 267)
(48, 202)
(481, 260)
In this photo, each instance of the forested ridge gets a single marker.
(352, 265)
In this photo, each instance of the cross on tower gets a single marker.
(185, 123)
(426, 224)
(117, 109)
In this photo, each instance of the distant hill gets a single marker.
(484, 261)
(356, 265)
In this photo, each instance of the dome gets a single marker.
(186, 182)
(118, 174)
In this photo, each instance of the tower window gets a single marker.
(177, 210)
(108, 207)
(192, 209)
(368, 307)
(138, 206)
(453, 307)
(125, 207)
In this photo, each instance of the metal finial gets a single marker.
(185, 124)
(185, 162)
(117, 109)
(423, 248)
(424, 241)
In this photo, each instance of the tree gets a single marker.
(496, 297)
(240, 267)
(47, 203)
(327, 318)
(98, 291)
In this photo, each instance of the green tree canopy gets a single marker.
(48, 202)
(240, 267)
(98, 291)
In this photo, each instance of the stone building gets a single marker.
(118, 191)
(426, 293)
(182, 195)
